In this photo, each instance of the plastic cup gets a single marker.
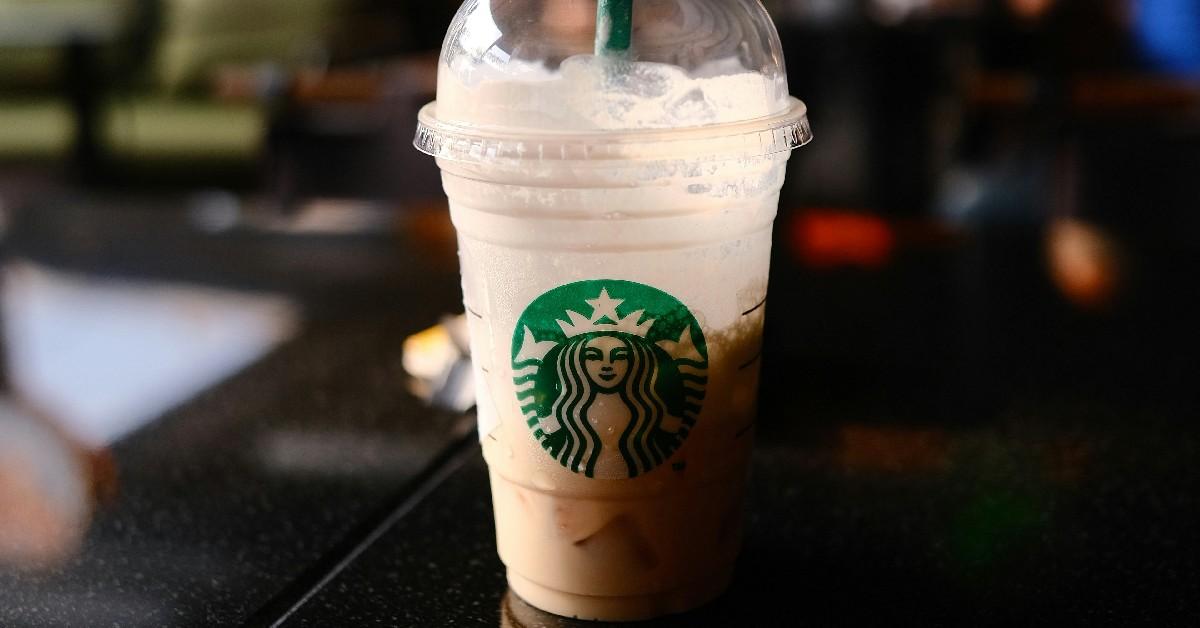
(614, 223)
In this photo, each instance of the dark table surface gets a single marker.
(944, 439)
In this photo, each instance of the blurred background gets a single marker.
(216, 235)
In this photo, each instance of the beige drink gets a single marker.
(615, 263)
(609, 545)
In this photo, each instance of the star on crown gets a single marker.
(604, 318)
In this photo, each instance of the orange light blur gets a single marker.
(893, 449)
(1030, 9)
(428, 224)
(830, 238)
(1083, 263)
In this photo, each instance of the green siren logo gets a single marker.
(612, 393)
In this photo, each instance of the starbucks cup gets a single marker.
(613, 173)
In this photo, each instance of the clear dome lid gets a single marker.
(611, 79)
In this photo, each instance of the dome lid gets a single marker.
(611, 79)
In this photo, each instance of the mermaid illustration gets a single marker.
(606, 401)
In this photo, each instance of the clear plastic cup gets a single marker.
(614, 214)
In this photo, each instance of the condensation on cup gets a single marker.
(614, 213)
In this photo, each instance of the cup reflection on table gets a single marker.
(46, 491)
(49, 483)
(517, 613)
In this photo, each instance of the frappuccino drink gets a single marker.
(613, 172)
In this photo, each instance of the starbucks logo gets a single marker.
(610, 375)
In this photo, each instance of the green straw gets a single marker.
(614, 27)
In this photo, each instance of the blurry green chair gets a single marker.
(201, 35)
(177, 119)
(36, 120)
(34, 32)
(162, 110)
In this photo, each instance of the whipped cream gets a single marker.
(587, 93)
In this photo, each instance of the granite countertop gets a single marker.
(943, 440)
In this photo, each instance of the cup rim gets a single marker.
(760, 137)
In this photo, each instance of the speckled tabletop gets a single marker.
(943, 441)
(1069, 517)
